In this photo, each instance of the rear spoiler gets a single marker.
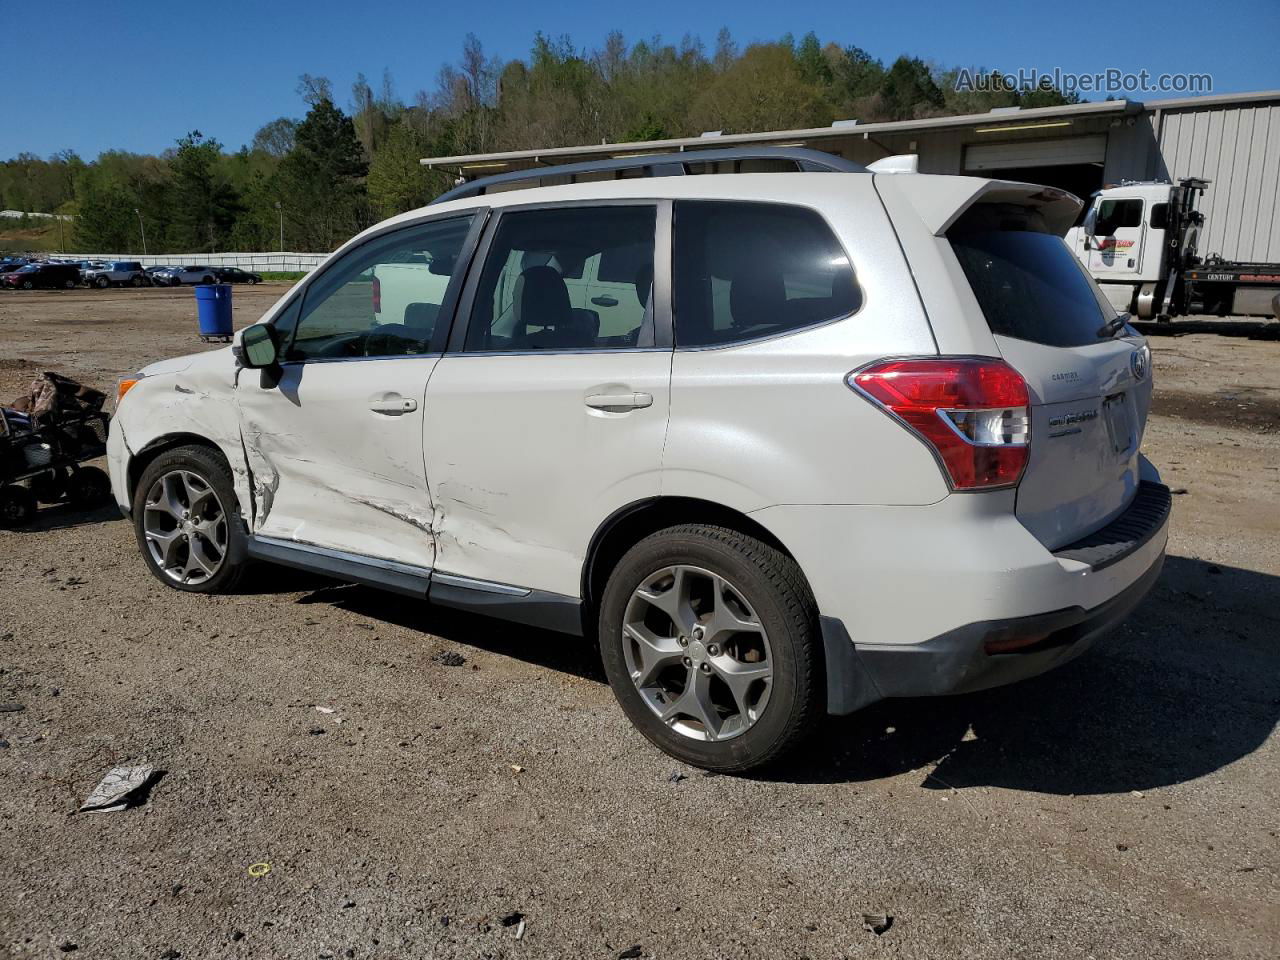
(940, 201)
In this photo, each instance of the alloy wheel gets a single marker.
(185, 526)
(697, 653)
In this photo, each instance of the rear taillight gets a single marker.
(377, 295)
(972, 412)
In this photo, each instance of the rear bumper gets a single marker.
(959, 661)
(959, 596)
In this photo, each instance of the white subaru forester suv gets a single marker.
(786, 443)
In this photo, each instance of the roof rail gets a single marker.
(658, 165)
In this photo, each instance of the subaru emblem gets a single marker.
(1138, 364)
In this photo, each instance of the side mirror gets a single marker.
(258, 347)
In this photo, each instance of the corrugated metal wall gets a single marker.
(1238, 148)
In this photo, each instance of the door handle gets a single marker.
(619, 401)
(393, 405)
(605, 301)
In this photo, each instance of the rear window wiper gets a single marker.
(1113, 326)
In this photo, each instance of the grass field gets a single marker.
(33, 236)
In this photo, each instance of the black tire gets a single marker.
(205, 280)
(28, 285)
(49, 487)
(69, 285)
(17, 506)
(214, 471)
(88, 487)
(102, 283)
(774, 587)
(136, 281)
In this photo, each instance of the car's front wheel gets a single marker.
(710, 641)
(102, 283)
(187, 521)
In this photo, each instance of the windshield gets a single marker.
(1030, 286)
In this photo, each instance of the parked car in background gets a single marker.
(61, 276)
(117, 273)
(236, 275)
(784, 444)
(175, 276)
(158, 274)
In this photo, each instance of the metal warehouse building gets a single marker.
(1232, 140)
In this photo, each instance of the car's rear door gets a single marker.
(540, 424)
(335, 441)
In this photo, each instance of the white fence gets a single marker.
(256, 262)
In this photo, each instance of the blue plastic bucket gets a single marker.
(213, 307)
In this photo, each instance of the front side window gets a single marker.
(567, 278)
(749, 270)
(1114, 214)
(383, 298)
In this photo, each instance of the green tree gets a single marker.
(204, 205)
(813, 63)
(321, 181)
(909, 91)
(397, 181)
(106, 222)
(764, 90)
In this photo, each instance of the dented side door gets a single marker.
(334, 436)
(335, 454)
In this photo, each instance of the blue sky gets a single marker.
(137, 76)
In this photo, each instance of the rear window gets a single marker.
(1029, 285)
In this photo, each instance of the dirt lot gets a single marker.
(1127, 805)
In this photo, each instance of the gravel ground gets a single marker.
(1126, 805)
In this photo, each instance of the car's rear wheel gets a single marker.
(187, 521)
(709, 638)
(28, 285)
(136, 281)
(69, 284)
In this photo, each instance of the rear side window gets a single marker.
(1027, 281)
(748, 270)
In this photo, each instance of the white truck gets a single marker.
(1140, 241)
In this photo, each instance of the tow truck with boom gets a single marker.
(1140, 241)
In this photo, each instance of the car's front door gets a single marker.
(335, 442)
(541, 419)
